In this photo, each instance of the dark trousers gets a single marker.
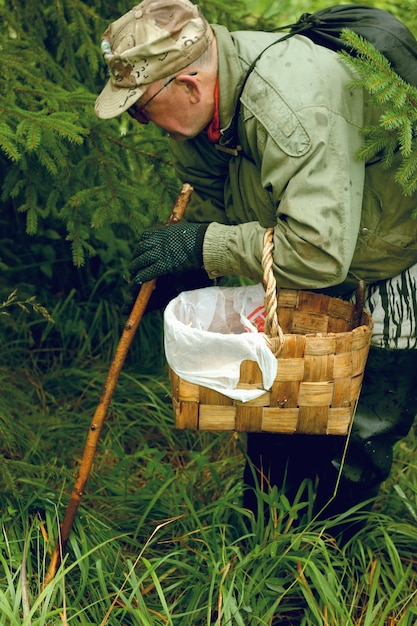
(385, 414)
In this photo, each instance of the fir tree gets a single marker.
(60, 164)
(66, 175)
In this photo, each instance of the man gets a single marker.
(267, 133)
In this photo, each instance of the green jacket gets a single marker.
(336, 218)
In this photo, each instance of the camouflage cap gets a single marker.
(155, 39)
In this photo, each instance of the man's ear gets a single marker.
(192, 85)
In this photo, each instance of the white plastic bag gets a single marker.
(208, 335)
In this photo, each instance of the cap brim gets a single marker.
(114, 100)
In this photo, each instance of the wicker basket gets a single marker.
(321, 344)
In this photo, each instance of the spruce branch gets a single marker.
(406, 175)
(379, 142)
(397, 100)
(64, 124)
(31, 221)
(31, 133)
(8, 143)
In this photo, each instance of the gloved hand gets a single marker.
(168, 287)
(168, 250)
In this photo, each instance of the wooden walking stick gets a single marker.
(105, 398)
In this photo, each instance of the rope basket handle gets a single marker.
(273, 335)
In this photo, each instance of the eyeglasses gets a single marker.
(137, 110)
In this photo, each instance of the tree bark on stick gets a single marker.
(102, 408)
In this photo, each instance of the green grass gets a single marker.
(160, 537)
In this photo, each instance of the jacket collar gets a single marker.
(231, 76)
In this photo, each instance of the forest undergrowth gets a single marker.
(161, 536)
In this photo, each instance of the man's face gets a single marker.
(180, 106)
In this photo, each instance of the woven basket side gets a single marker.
(320, 372)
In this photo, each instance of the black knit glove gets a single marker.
(168, 250)
(168, 287)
